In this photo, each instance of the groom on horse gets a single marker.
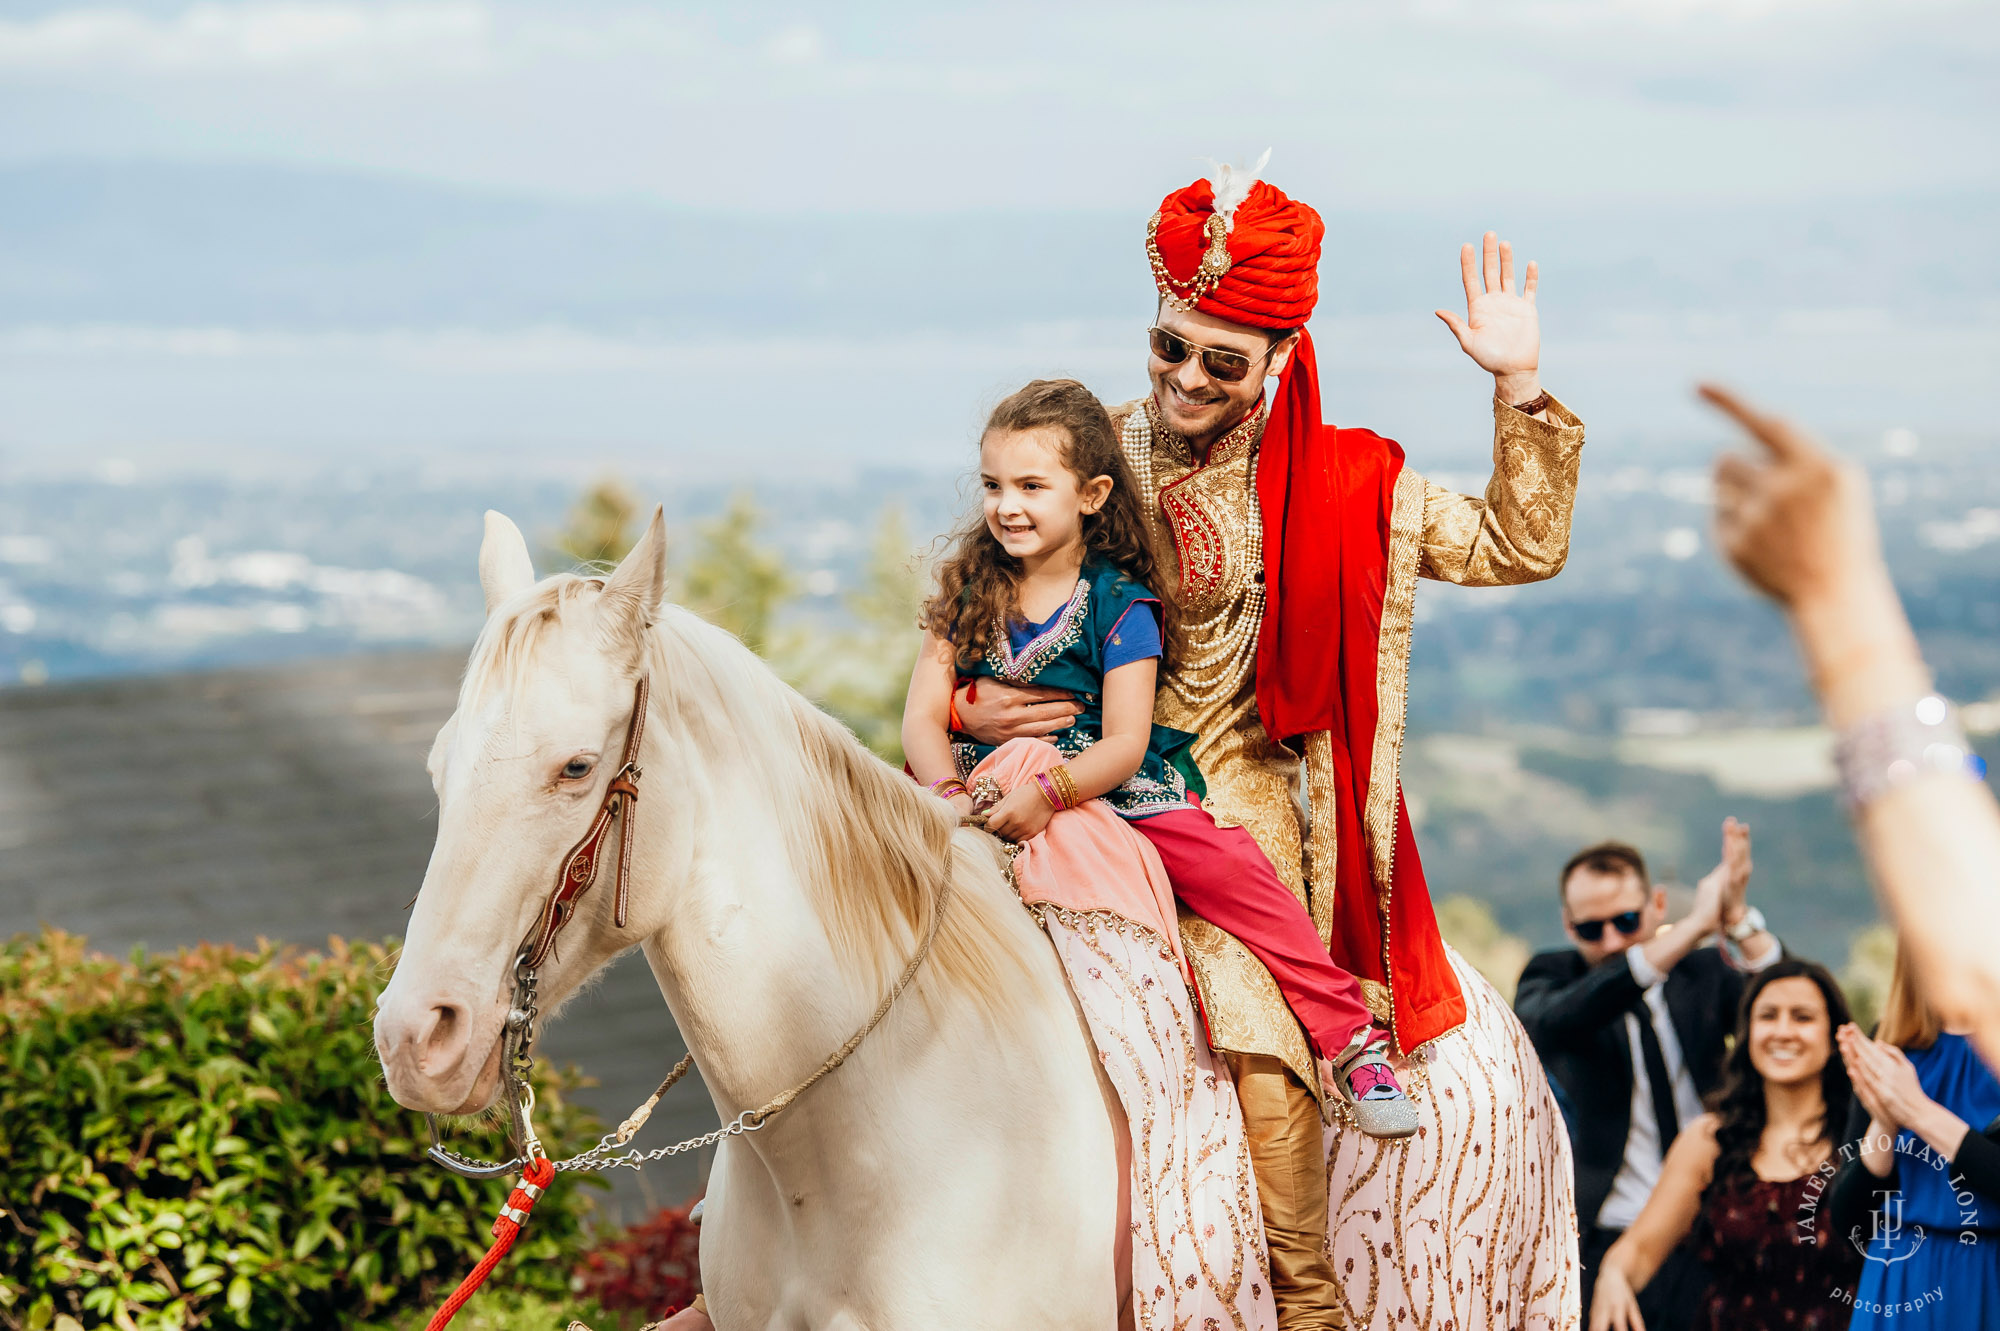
(1296, 547)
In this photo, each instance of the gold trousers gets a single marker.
(1288, 1155)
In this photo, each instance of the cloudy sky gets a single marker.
(1625, 112)
(943, 108)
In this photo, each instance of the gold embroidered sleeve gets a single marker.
(1519, 532)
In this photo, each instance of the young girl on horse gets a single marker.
(1050, 583)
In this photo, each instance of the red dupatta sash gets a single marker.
(1326, 497)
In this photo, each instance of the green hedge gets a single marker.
(205, 1140)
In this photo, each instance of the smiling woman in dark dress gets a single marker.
(1746, 1178)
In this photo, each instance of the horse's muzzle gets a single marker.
(438, 1057)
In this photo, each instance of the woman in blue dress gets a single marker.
(1933, 1242)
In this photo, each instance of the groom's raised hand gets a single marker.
(1501, 330)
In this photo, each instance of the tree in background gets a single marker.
(861, 673)
(732, 581)
(1871, 960)
(1467, 923)
(602, 526)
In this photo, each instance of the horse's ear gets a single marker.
(504, 566)
(633, 594)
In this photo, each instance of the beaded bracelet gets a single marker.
(948, 788)
(1883, 752)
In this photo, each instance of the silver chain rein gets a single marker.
(517, 1061)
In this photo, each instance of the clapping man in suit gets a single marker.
(1631, 1021)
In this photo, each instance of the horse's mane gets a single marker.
(866, 841)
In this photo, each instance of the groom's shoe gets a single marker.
(1367, 1082)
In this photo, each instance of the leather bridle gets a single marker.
(579, 867)
(575, 876)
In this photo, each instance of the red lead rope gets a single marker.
(506, 1228)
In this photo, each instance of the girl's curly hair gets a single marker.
(979, 583)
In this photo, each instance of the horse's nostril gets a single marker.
(444, 1037)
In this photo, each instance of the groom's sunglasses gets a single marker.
(1626, 922)
(1226, 367)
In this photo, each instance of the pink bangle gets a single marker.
(948, 788)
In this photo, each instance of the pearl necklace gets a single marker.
(1220, 648)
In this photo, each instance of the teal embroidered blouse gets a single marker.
(1069, 651)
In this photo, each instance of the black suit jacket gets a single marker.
(1575, 1015)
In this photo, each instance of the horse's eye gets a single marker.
(576, 769)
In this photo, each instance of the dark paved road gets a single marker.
(287, 803)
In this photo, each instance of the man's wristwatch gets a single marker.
(1751, 923)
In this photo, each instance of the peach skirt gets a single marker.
(1198, 1256)
(1471, 1224)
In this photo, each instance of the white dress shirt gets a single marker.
(1644, 1152)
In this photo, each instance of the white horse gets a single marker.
(962, 1168)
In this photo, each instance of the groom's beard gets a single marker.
(1203, 411)
(1210, 418)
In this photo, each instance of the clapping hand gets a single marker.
(1884, 1078)
(1711, 897)
(1885, 1081)
(1735, 868)
(1501, 330)
(1857, 1054)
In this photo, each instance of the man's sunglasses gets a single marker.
(1227, 367)
(1590, 931)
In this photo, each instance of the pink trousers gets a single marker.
(1222, 875)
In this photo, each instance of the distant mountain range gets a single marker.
(225, 318)
(243, 245)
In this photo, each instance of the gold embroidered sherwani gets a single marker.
(1209, 530)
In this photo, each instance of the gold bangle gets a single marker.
(1065, 785)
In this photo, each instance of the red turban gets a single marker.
(1259, 265)
(1326, 497)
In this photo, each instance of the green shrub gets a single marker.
(205, 1140)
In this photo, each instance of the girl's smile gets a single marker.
(1034, 503)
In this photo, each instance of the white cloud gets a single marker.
(1582, 14)
(1980, 526)
(215, 38)
(797, 44)
(558, 349)
(872, 108)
